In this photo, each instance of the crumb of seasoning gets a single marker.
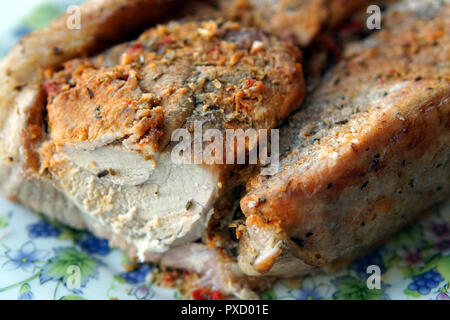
(188, 205)
(252, 204)
(102, 173)
(217, 84)
(262, 200)
(400, 117)
(418, 78)
(257, 46)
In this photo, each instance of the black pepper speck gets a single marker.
(102, 173)
(364, 185)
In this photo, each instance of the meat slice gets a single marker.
(21, 98)
(368, 151)
(103, 22)
(300, 20)
(110, 119)
(297, 20)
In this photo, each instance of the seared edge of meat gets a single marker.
(366, 153)
(61, 174)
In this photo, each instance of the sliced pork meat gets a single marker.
(298, 20)
(98, 133)
(90, 136)
(365, 154)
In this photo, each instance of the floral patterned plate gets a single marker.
(35, 253)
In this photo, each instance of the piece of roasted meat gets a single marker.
(88, 141)
(367, 152)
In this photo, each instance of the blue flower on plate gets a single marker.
(138, 275)
(309, 291)
(24, 258)
(93, 245)
(43, 229)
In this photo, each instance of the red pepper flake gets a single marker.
(49, 87)
(249, 82)
(168, 40)
(217, 295)
(167, 277)
(211, 50)
(135, 49)
(205, 294)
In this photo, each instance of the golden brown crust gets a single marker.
(101, 103)
(370, 148)
(145, 89)
(103, 22)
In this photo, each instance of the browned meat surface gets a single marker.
(297, 20)
(369, 150)
(145, 89)
(91, 136)
(104, 22)
(85, 137)
(87, 141)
